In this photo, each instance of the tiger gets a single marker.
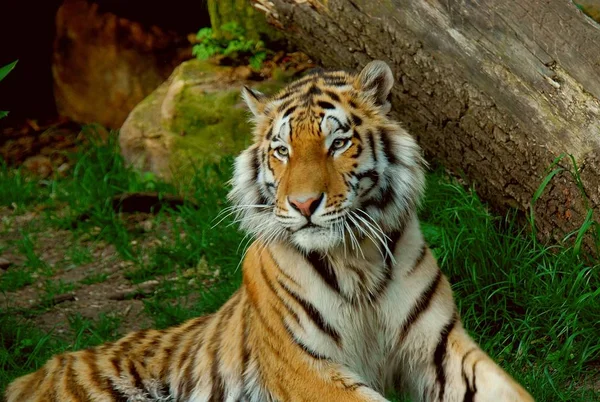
(341, 298)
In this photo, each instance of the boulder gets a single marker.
(196, 116)
(103, 65)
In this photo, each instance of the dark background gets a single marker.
(27, 33)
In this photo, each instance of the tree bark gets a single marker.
(495, 90)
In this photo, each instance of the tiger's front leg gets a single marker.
(436, 358)
(451, 367)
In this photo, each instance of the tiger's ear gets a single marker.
(377, 80)
(254, 99)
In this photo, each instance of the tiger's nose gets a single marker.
(306, 205)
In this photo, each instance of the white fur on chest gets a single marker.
(368, 330)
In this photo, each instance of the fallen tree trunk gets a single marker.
(495, 90)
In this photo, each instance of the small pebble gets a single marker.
(4, 263)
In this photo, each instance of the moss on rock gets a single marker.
(196, 116)
(210, 125)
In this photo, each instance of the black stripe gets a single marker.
(341, 126)
(420, 305)
(314, 90)
(290, 90)
(163, 391)
(334, 74)
(315, 71)
(262, 200)
(218, 388)
(471, 389)
(419, 259)
(303, 346)
(73, 385)
(375, 83)
(356, 155)
(355, 386)
(217, 393)
(187, 385)
(387, 196)
(325, 105)
(284, 105)
(289, 111)
(357, 121)
(440, 355)
(388, 275)
(371, 141)
(371, 174)
(252, 93)
(352, 104)
(281, 271)
(56, 375)
(314, 314)
(137, 380)
(255, 162)
(262, 319)
(152, 347)
(271, 189)
(291, 128)
(391, 242)
(98, 380)
(269, 132)
(117, 396)
(245, 347)
(324, 269)
(333, 95)
(335, 81)
(116, 363)
(285, 304)
(288, 95)
(387, 147)
(362, 278)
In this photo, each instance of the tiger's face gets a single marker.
(328, 166)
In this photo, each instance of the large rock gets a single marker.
(104, 65)
(196, 116)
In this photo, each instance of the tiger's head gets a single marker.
(328, 165)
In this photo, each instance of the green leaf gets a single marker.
(587, 224)
(3, 114)
(7, 69)
(204, 33)
(544, 183)
(257, 60)
(234, 29)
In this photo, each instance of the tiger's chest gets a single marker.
(365, 346)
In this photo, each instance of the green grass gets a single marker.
(17, 190)
(26, 247)
(14, 279)
(533, 307)
(79, 255)
(94, 278)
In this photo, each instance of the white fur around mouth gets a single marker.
(315, 238)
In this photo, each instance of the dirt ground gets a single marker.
(113, 294)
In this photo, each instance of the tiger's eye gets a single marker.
(282, 151)
(339, 143)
